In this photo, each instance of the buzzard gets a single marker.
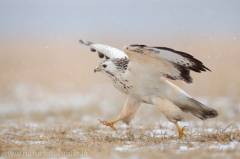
(141, 72)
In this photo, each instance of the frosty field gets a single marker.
(73, 139)
(74, 131)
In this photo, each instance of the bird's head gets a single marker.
(106, 66)
(113, 66)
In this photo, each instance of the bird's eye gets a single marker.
(104, 66)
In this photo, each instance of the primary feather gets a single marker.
(172, 64)
(108, 51)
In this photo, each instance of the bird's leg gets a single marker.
(180, 131)
(109, 123)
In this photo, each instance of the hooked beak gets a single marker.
(97, 69)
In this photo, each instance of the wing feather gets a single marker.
(158, 61)
(175, 65)
(104, 50)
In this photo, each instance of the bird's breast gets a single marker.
(122, 85)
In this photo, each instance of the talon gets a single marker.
(181, 131)
(108, 124)
(184, 128)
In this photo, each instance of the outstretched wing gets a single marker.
(105, 50)
(171, 64)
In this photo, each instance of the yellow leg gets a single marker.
(180, 131)
(109, 123)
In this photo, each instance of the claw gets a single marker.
(108, 124)
(181, 131)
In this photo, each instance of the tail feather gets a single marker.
(198, 109)
(205, 112)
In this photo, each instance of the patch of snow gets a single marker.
(232, 145)
(124, 148)
(161, 133)
(184, 148)
(37, 142)
(209, 130)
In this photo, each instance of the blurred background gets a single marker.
(44, 69)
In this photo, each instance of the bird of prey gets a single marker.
(141, 72)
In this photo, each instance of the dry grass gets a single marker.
(65, 134)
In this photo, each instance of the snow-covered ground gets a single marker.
(38, 119)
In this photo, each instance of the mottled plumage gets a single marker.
(141, 71)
